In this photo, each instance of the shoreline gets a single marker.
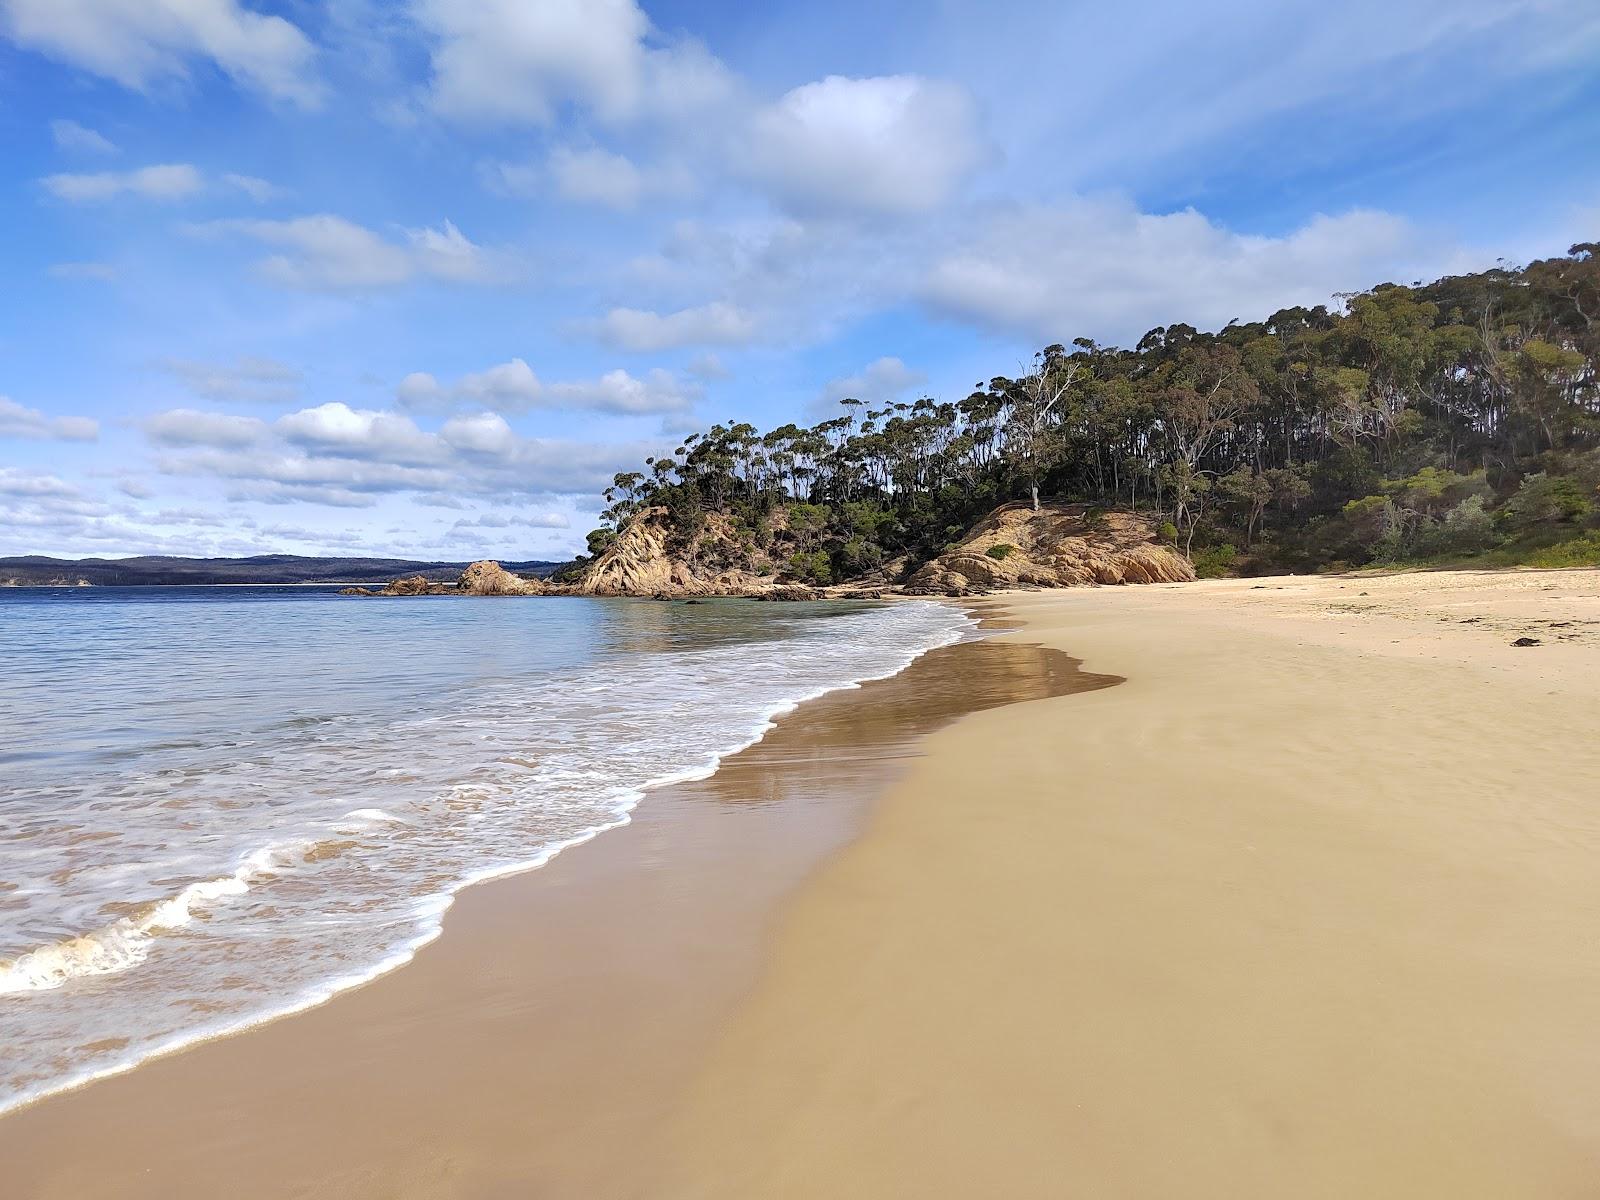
(811, 777)
(623, 807)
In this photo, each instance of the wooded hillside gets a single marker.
(1454, 420)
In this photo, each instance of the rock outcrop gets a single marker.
(643, 561)
(489, 578)
(411, 585)
(1059, 546)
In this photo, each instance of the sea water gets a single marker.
(219, 805)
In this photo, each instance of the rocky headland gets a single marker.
(1058, 545)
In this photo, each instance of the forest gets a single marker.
(1450, 422)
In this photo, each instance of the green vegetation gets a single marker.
(1456, 421)
(1000, 551)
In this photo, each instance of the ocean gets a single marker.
(221, 805)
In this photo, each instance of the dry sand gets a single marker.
(1309, 907)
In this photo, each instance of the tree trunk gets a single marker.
(1033, 491)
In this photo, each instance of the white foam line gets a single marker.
(439, 906)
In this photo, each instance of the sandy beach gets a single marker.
(1306, 907)
(1289, 890)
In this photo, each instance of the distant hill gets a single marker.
(36, 570)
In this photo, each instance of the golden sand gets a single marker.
(1309, 907)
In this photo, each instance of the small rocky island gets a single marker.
(485, 578)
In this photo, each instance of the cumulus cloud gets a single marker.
(70, 135)
(16, 421)
(190, 427)
(510, 60)
(480, 433)
(170, 181)
(891, 144)
(641, 330)
(248, 379)
(328, 253)
(513, 387)
(1102, 268)
(336, 428)
(138, 43)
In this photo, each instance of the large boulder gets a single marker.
(411, 585)
(489, 578)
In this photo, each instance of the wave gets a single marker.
(126, 942)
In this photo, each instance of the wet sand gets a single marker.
(536, 1049)
(1308, 907)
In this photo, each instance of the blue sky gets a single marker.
(416, 276)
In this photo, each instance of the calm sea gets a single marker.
(218, 805)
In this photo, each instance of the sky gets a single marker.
(416, 277)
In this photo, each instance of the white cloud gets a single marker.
(19, 422)
(596, 176)
(481, 433)
(247, 379)
(259, 190)
(878, 382)
(329, 253)
(169, 181)
(189, 427)
(619, 392)
(515, 61)
(337, 428)
(1103, 269)
(512, 387)
(137, 42)
(16, 482)
(590, 175)
(70, 135)
(335, 455)
(892, 144)
(512, 60)
(715, 324)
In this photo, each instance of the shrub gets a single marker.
(1545, 499)
(1577, 552)
(1000, 551)
(1466, 529)
(811, 568)
(1168, 532)
(1094, 517)
(1215, 561)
